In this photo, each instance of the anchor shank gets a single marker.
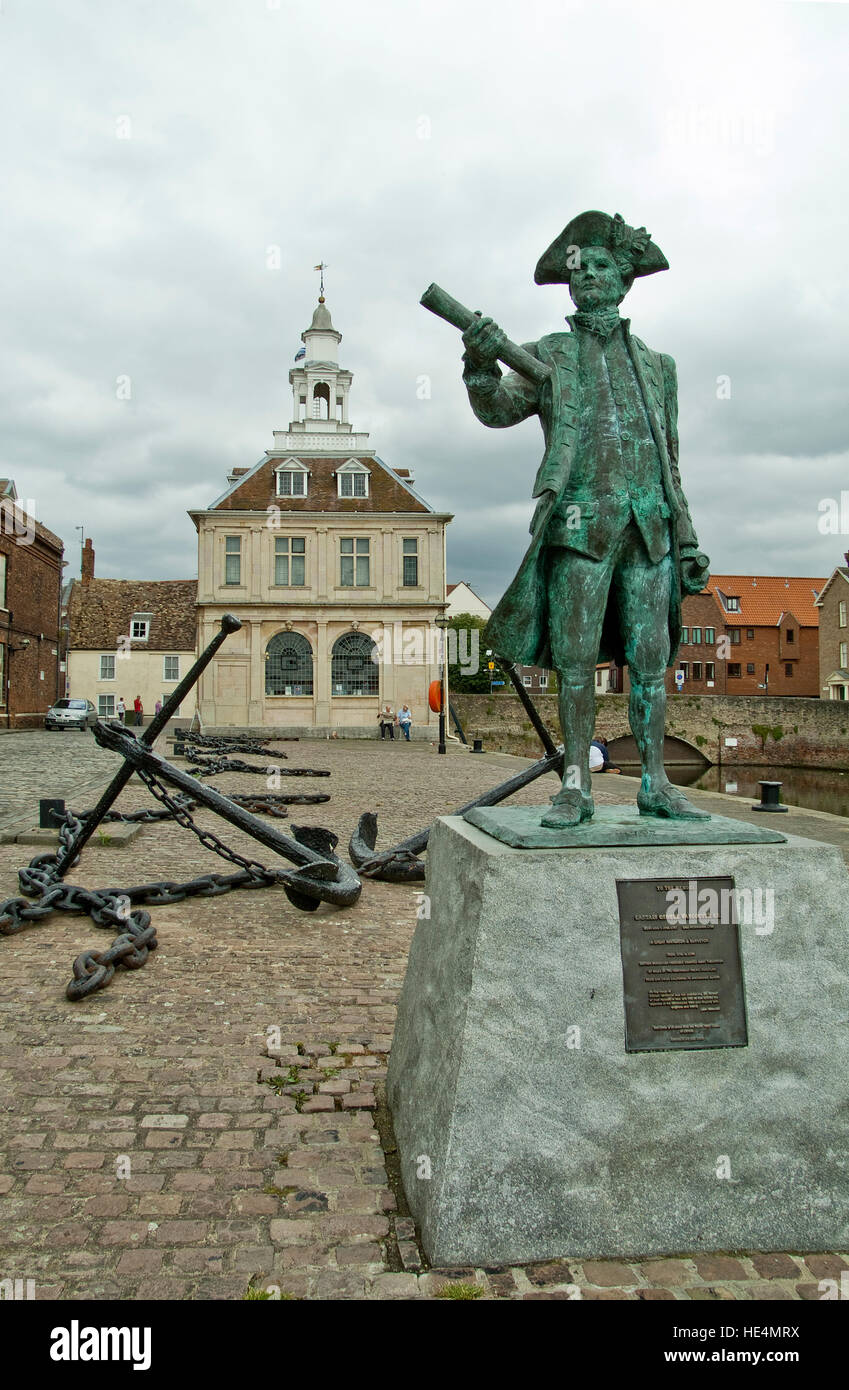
(110, 737)
(530, 709)
(554, 763)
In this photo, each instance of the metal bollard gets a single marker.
(769, 797)
(50, 812)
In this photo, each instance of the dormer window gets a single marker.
(292, 479)
(140, 626)
(352, 479)
(732, 604)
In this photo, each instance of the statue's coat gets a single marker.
(518, 629)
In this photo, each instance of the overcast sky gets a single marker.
(153, 152)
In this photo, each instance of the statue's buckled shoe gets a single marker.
(669, 802)
(568, 809)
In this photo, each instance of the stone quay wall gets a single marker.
(774, 730)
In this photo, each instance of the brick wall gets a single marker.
(778, 732)
(33, 577)
(832, 635)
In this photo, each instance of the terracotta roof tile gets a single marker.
(763, 598)
(100, 611)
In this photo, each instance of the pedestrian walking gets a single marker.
(405, 719)
(157, 708)
(386, 719)
(139, 709)
(122, 708)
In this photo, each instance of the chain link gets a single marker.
(112, 907)
(210, 767)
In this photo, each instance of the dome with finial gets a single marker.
(321, 317)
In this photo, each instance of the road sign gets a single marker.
(491, 666)
(496, 683)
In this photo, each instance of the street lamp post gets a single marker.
(442, 622)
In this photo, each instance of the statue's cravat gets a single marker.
(601, 321)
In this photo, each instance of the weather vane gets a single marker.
(322, 266)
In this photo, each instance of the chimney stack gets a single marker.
(87, 566)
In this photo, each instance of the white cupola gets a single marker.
(319, 385)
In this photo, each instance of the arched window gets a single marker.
(288, 665)
(321, 401)
(353, 671)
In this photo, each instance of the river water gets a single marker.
(819, 789)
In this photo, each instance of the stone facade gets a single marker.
(333, 564)
(833, 604)
(30, 586)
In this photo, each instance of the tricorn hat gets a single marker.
(555, 265)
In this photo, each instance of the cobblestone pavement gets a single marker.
(35, 764)
(212, 1122)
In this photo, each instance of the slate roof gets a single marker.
(764, 598)
(841, 570)
(387, 491)
(100, 611)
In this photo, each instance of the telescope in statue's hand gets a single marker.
(441, 304)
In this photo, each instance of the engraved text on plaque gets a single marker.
(681, 966)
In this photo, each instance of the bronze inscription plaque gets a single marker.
(681, 966)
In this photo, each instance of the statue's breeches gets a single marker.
(624, 589)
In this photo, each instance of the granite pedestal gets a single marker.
(525, 1128)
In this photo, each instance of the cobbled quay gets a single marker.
(212, 1122)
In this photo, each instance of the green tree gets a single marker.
(466, 649)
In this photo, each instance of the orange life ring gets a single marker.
(434, 696)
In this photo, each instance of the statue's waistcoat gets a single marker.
(615, 475)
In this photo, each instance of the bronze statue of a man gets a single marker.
(613, 543)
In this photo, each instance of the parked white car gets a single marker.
(71, 714)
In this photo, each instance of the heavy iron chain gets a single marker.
(195, 743)
(210, 767)
(209, 841)
(108, 908)
(112, 907)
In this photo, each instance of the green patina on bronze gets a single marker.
(614, 826)
(613, 545)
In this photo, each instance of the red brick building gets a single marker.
(833, 605)
(746, 635)
(772, 627)
(699, 656)
(30, 586)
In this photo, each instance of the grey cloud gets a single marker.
(300, 128)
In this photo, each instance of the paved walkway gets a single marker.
(35, 763)
(213, 1121)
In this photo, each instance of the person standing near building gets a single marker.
(139, 709)
(122, 708)
(157, 707)
(405, 719)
